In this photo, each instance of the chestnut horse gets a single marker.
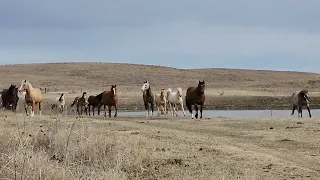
(110, 98)
(195, 96)
(32, 98)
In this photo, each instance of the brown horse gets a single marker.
(195, 96)
(148, 98)
(32, 98)
(110, 98)
(80, 102)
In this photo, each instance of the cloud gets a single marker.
(233, 34)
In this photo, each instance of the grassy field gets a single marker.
(225, 88)
(158, 148)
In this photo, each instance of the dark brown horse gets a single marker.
(110, 98)
(95, 101)
(148, 98)
(80, 102)
(195, 96)
(10, 97)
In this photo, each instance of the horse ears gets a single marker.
(25, 81)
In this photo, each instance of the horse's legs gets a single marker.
(293, 109)
(152, 109)
(146, 106)
(300, 111)
(26, 108)
(109, 108)
(309, 111)
(99, 106)
(40, 107)
(184, 114)
(32, 109)
(201, 106)
(174, 109)
(116, 108)
(90, 110)
(165, 108)
(170, 107)
(158, 110)
(197, 109)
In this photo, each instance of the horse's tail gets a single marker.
(74, 102)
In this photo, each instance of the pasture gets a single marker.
(158, 148)
(165, 147)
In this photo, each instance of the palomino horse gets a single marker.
(161, 102)
(299, 100)
(110, 98)
(10, 97)
(148, 98)
(174, 99)
(80, 102)
(32, 98)
(95, 101)
(195, 96)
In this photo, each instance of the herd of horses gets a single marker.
(165, 100)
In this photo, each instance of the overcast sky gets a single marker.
(255, 34)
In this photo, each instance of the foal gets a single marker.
(161, 102)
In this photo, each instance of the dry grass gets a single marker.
(129, 77)
(136, 148)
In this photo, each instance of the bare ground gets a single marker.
(163, 148)
(226, 88)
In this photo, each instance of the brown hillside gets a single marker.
(94, 76)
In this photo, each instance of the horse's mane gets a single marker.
(60, 98)
(304, 91)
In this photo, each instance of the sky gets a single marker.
(246, 34)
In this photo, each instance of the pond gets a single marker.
(234, 113)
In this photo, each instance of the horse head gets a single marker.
(11, 89)
(179, 92)
(24, 85)
(145, 86)
(61, 97)
(201, 86)
(304, 95)
(84, 94)
(114, 89)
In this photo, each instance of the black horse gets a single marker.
(10, 97)
(95, 101)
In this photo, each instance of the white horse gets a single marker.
(174, 99)
(161, 102)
